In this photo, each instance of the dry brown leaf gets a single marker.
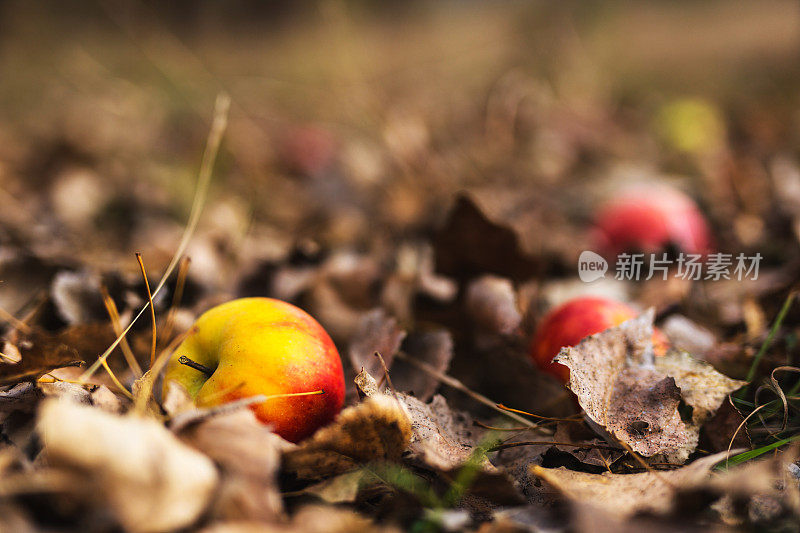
(631, 396)
(377, 429)
(434, 348)
(40, 353)
(249, 455)
(579, 433)
(22, 397)
(377, 332)
(470, 244)
(310, 519)
(366, 385)
(147, 477)
(624, 495)
(443, 439)
(720, 429)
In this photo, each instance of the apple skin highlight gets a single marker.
(649, 218)
(262, 346)
(574, 320)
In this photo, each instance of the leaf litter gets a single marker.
(396, 247)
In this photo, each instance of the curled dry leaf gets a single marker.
(624, 495)
(632, 397)
(249, 455)
(366, 385)
(375, 430)
(149, 479)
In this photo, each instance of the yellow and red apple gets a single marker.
(261, 346)
(569, 323)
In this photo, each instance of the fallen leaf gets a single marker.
(21, 397)
(623, 495)
(149, 479)
(249, 456)
(470, 244)
(377, 429)
(40, 353)
(366, 385)
(377, 332)
(77, 297)
(340, 489)
(633, 397)
(718, 432)
(580, 434)
(309, 519)
(442, 438)
(433, 347)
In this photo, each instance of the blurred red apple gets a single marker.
(651, 218)
(309, 150)
(569, 323)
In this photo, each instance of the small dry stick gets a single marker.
(197, 366)
(116, 381)
(507, 445)
(152, 309)
(113, 314)
(497, 428)
(386, 373)
(550, 419)
(14, 321)
(456, 384)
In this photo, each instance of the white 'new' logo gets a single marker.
(591, 266)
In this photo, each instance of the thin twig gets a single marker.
(113, 313)
(386, 373)
(456, 384)
(551, 419)
(507, 445)
(152, 309)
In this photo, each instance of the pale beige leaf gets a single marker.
(149, 479)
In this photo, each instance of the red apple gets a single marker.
(569, 323)
(650, 218)
(309, 150)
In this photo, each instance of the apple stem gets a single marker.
(197, 366)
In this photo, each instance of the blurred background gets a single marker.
(355, 125)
